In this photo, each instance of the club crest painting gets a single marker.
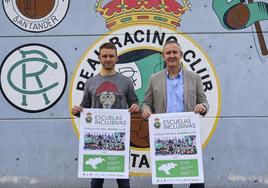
(139, 49)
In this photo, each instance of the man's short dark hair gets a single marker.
(108, 45)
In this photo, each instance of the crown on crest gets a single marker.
(122, 13)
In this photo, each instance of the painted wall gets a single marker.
(39, 137)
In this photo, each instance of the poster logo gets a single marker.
(33, 77)
(89, 117)
(157, 123)
(36, 15)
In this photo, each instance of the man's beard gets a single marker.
(108, 66)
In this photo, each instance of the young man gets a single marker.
(109, 90)
(174, 90)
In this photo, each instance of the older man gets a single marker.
(174, 89)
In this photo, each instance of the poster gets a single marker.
(104, 143)
(176, 152)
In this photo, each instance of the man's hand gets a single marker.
(200, 108)
(146, 113)
(134, 108)
(76, 110)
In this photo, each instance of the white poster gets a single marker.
(104, 143)
(176, 153)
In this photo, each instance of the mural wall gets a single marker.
(48, 49)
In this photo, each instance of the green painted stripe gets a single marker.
(126, 19)
(160, 19)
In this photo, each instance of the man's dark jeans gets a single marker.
(98, 183)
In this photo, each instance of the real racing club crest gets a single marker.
(139, 30)
(36, 15)
(89, 117)
(157, 123)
